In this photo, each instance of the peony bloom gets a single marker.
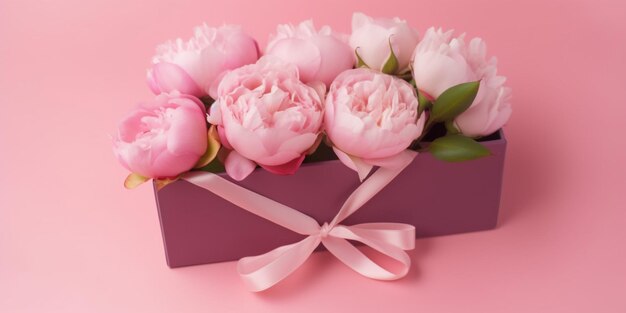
(370, 118)
(371, 38)
(319, 55)
(195, 67)
(162, 138)
(266, 116)
(441, 61)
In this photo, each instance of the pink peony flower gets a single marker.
(319, 56)
(370, 37)
(370, 118)
(441, 61)
(195, 67)
(267, 116)
(162, 138)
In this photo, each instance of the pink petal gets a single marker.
(372, 43)
(237, 166)
(154, 87)
(169, 77)
(131, 125)
(223, 139)
(246, 142)
(167, 165)
(434, 72)
(337, 57)
(212, 88)
(215, 114)
(304, 54)
(320, 89)
(242, 50)
(187, 133)
(211, 66)
(288, 168)
(345, 159)
(359, 20)
(362, 168)
(135, 159)
(354, 163)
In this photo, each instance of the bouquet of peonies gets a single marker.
(374, 99)
(369, 96)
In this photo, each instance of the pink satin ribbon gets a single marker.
(263, 271)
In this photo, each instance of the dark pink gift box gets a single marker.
(437, 197)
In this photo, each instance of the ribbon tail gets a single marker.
(255, 203)
(374, 184)
(264, 271)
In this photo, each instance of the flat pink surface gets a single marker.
(73, 240)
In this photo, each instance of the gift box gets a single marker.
(437, 197)
(323, 141)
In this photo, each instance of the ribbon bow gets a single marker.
(263, 271)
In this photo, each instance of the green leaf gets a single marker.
(391, 65)
(457, 148)
(408, 77)
(454, 101)
(450, 128)
(359, 61)
(214, 167)
(423, 103)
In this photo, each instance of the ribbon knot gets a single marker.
(324, 230)
(263, 271)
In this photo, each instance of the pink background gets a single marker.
(73, 240)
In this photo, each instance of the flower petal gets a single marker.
(169, 77)
(307, 58)
(288, 168)
(237, 166)
(356, 164)
(187, 133)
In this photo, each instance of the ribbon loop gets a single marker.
(360, 263)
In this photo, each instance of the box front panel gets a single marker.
(438, 198)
